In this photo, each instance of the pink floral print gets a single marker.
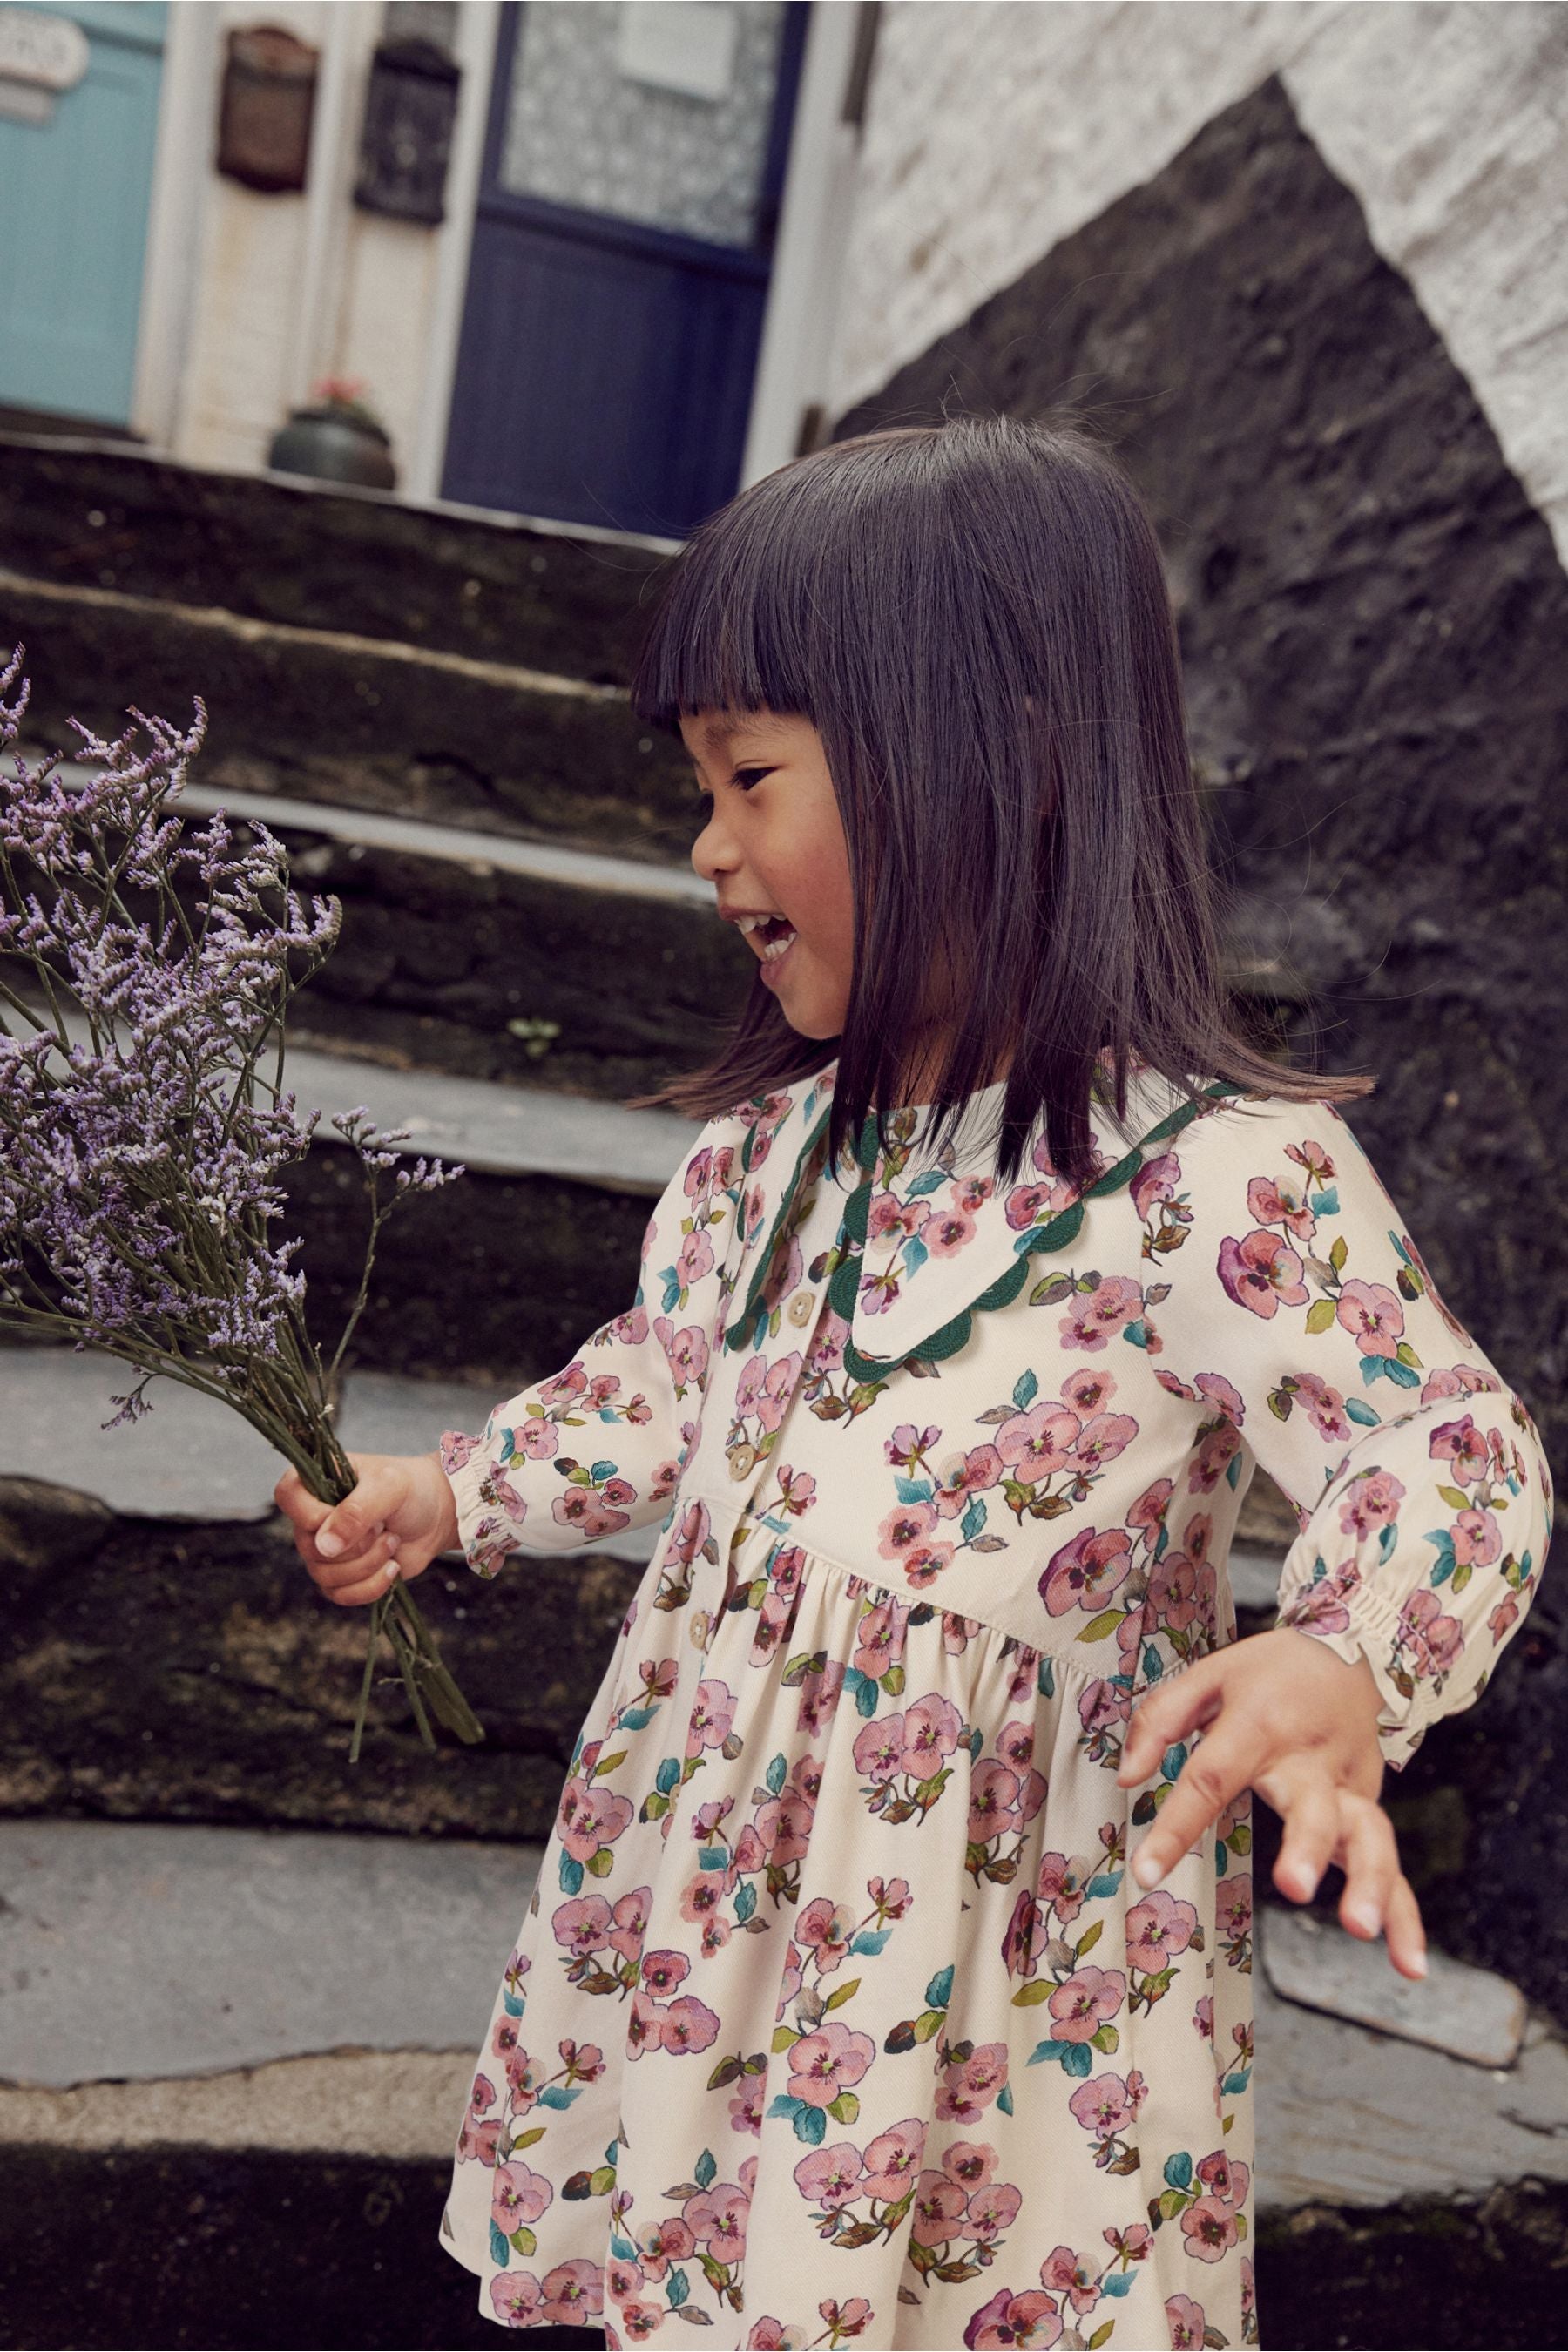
(834, 1930)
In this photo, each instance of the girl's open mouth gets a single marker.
(774, 936)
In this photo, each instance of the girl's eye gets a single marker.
(746, 777)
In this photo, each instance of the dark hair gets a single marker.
(973, 616)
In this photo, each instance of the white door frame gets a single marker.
(182, 160)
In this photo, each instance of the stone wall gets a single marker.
(997, 130)
(1373, 616)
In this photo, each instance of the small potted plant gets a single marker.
(337, 438)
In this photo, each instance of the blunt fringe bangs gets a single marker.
(974, 615)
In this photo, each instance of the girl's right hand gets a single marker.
(401, 1513)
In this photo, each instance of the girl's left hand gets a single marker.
(1281, 1714)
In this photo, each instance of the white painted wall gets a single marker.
(287, 288)
(998, 127)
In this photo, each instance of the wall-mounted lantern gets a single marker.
(410, 105)
(269, 99)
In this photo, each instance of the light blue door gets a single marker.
(74, 194)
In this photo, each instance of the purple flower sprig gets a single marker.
(146, 966)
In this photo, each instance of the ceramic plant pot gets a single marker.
(333, 447)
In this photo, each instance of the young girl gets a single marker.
(886, 1974)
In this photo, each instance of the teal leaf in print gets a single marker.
(864, 1689)
(1048, 1678)
(1234, 2084)
(1386, 1542)
(713, 1857)
(571, 1874)
(1072, 2057)
(1118, 2283)
(974, 1741)
(870, 1940)
(622, 2247)
(913, 1490)
(603, 1470)
(1005, 2098)
(1179, 2171)
(559, 2095)
(671, 1281)
(1389, 1368)
(1137, 1335)
(974, 1520)
(1173, 1760)
(677, 2289)
(745, 1901)
(931, 1181)
(501, 2252)
(705, 2171)
(1026, 1389)
(636, 1718)
(1359, 1410)
(778, 1773)
(810, 2123)
(1327, 1203)
(939, 1992)
(1232, 1478)
(1101, 1889)
(1443, 1539)
(512, 2002)
(668, 1773)
(915, 1255)
(1153, 1664)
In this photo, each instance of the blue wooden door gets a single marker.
(632, 180)
(74, 193)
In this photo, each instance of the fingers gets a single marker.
(1313, 1828)
(1377, 1895)
(1184, 1704)
(1403, 1930)
(294, 1498)
(365, 1577)
(1217, 1770)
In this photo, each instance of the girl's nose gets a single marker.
(711, 854)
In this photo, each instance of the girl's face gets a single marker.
(773, 850)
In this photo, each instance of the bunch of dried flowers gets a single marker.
(146, 965)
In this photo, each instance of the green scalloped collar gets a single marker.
(749, 1326)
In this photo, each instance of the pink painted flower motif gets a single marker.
(1086, 1571)
(1087, 2001)
(1374, 1313)
(1031, 2319)
(1186, 2322)
(893, 2158)
(517, 2196)
(1108, 1308)
(832, 2059)
(831, 2177)
(1262, 1273)
(1158, 1929)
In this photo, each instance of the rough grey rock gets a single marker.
(1349, 2117)
(1469, 2012)
(236, 1948)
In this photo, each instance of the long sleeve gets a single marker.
(1299, 1313)
(599, 1445)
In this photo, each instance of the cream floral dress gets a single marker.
(834, 2016)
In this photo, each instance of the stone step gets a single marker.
(324, 713)
(316, 2002)
(554, 597)
(453, 941)
(191, 1458)
(187, 1669)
